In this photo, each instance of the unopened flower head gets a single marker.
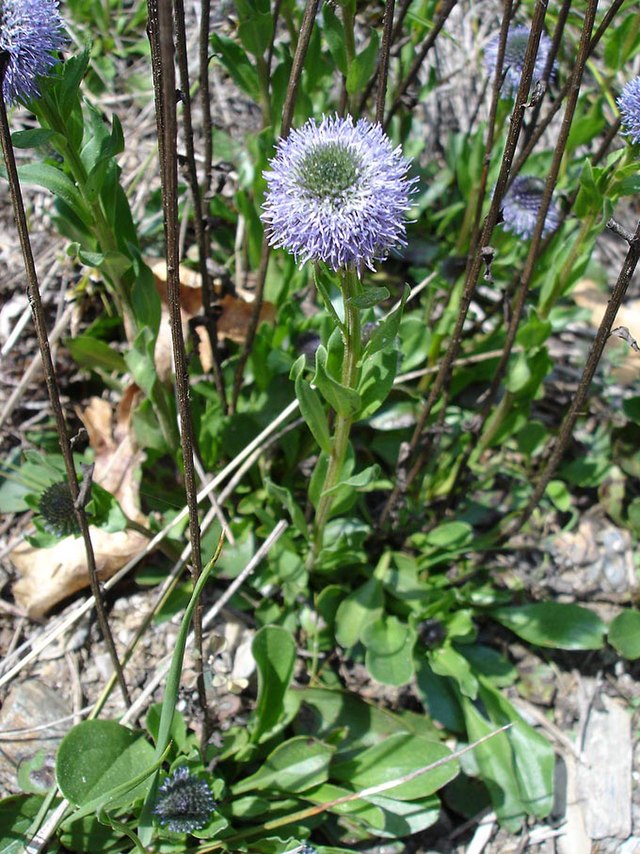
(338, 193)
(521, 204)
(514, 53)
(629, 104)
(185, 802)
(30, 34)
(57, 508)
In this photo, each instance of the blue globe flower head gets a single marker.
(31, 32)
(515, 49)
(184, 803)
(337, 192)
(521, 204)
(629, 105)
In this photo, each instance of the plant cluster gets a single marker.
(384, 419)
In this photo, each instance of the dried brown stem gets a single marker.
(199, 219)
(563, 14)
(416, 65)
(595, 353)
(383, 61)
(308, 20)
(546, 120)
(161, 32)
(37, 310)
(205, 95)
(491, 129)
(473, 272)
(518, 303)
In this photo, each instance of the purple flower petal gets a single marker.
(629, 104)
(521, 204)
(30, 33)
(337, 193)
(515, 49)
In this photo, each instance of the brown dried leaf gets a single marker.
(117, 458)
(587, 294)
(50, 575)
(232, 323)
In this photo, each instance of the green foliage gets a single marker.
(412, 594)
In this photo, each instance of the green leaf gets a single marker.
(490, 663)
(140, 361)
(311, 407)
(450, 535)
(335, 38)
(363, 65)
(362, 724)
(89, 834)
(446, 661)
(386, 331)
(16, 815)
(621, 42)
(494, 758)
(237, 63)
(298, 764)
(73, 70)
(624, 634)
(397, 756)
(284, 496)
(439, 695)
(378, 374)
(34, 138)
(345, 401)
(55, 180)
(275, 653)
(378, 814)
(553, 624)
(255, 25)
(360, 608)
(389, 657)
(98, 756)
(371, 296)
(95, 354)
(359, 482)
(145, 299)
(533, 757)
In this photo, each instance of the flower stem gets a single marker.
(352, 340)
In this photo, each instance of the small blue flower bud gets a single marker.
(184, 803)
(515, 49)
(58, 510)
(521, 204)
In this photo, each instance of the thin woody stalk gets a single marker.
(33, 292)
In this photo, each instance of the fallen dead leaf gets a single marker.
(50, 575)
(232, 322)
(587, 294)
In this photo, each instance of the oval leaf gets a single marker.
(294, 766)
(554, 625)
(96, 757)
(624, 634)
(275, 653)
(400, 755)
